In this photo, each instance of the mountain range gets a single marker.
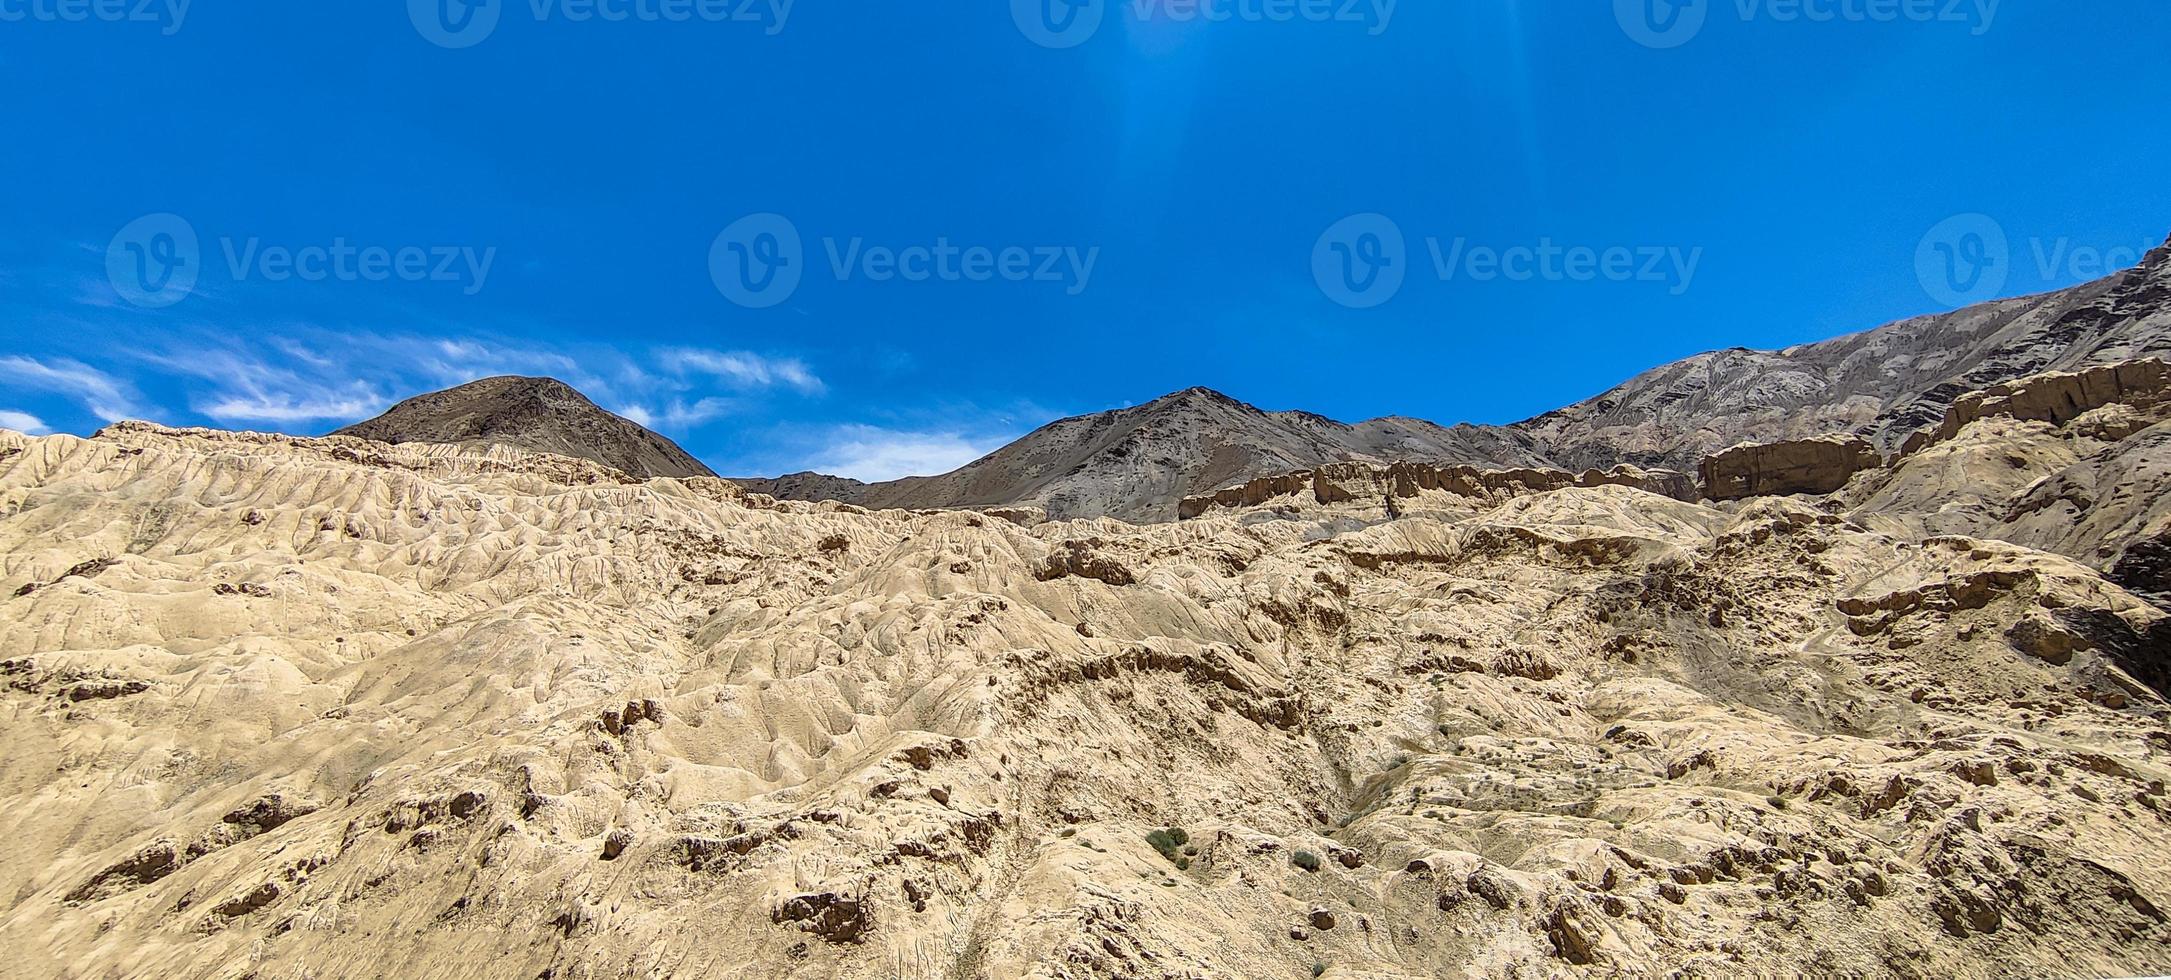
(1139, 463)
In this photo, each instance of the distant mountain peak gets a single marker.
(533, 414)
(1198, 394)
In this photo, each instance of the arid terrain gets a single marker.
(282, 707)
(1387, 700)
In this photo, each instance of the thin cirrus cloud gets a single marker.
(23, 422)
(874, 455)
(289, 409)
(742, 369)
(678, 414)
(104, 395)
(301, 377)
(306, 388)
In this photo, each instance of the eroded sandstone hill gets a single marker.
(321, 708)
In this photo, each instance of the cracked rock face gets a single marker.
(1813, 466)
(500, 715)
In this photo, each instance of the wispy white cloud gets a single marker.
(106, 396)
(742, 369)
(23, 422)
(872, 454)
(288, 409)
(460, 360)
(305, 386)
(678, 414)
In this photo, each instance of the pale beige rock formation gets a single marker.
(2142, 388)
(1815, 466)
(291, 708)
(1363, 482)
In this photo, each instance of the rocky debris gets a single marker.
(251, 901)
(2044, 638)
(85, 570)
(2144, 568)
(1572, 940)
(1813, 466)
(150, 863)
(105, 690)
(269, 813)
(618, 721)
(1079, 559)
(250, 589)
(835, 918)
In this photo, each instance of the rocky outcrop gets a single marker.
(1346, 482)
(1820, 465)
(540, 415)
(2144, 568)
(2058, 398)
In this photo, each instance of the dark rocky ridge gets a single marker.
(1139, 463)
(1881, 385)
(534, 414)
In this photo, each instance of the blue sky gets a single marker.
(998, 223)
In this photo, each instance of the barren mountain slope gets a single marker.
(285, 708)
(1883, 384)
(536, 414)
(1139, 463)
(2077, 463)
